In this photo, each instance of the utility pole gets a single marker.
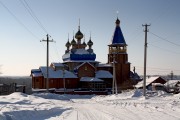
(145, 58)
(47, 64)
(64, 82)
(114, 87)
(113, 84)
(172, 75)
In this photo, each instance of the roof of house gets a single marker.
(134, 76)
(57, 73)
(90, 61)
(35, 70)
(148, 81)
(172, 83)
(103, 74)
(57, 64)
(83, 64)
(37, 74)
(104, 65)
(90, 79)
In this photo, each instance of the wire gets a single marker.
(30, 11)
(33, 15)
(164, 49)
(152, 70)
(20, 22)
(165, 39)
(17, 19)
(56, 51)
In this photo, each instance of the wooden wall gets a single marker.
(40, 83)
(86, 70)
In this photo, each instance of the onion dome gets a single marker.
(68, 44)
(84, 43)
(73, 42)
(79, 35)
(90, 43)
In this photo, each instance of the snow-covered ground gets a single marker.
(126, 106)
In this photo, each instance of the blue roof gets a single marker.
(118, 37)
(79, 54)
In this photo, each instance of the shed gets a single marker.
(149, 82)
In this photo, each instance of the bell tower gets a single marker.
(118, 52)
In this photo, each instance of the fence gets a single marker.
(6, 89)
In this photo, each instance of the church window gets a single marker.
(85, 68)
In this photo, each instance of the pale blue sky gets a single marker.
(21, 50)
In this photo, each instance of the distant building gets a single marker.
(150, 82)
(172, 86)
(82, 72)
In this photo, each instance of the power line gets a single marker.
(56, 51)
(165, 39)
(14, 16)
(156, 68)
(33, 15)
(164, 12)
(164, 49)
(17, 19)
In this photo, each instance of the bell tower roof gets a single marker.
(118, 37)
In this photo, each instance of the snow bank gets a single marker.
(137, 93)
(127, 106)
(17, 95)
(62, 97)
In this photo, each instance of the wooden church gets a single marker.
(80, 71)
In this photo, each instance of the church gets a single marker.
(80, 71)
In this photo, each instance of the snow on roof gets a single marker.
(57, 64)
(78, 51)
(103, 74)
(171, 82)
(81, 51)
(37, 74)
(83, 64)
(57, 73)
(104, 65)
(90, 79)
(158, 84)
(148, 81)
(90, 61)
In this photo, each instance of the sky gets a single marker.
(21, 49)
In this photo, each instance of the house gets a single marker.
(150, 82)
(172, 86)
